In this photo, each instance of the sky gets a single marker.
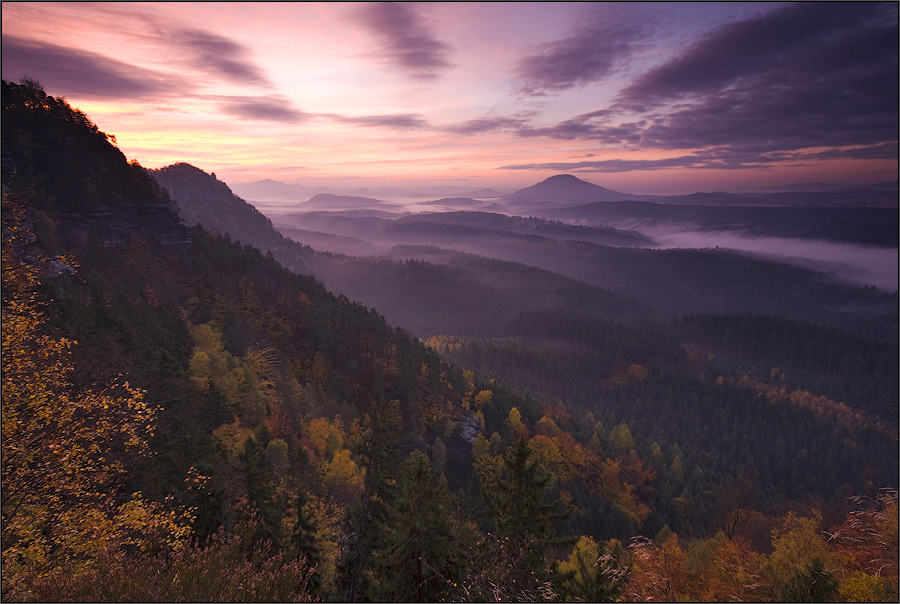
(665, 98)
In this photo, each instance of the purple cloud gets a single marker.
(414, 121)
(882, 151)
(593, 125)
(791, 40)
(219, 56)
(485, 124)
(269, 109)
(400, 121)
(593, 51)
(408, 43)
(720, 158)
(759, 91)
(611, 165)
(798, 77)
(84, 73)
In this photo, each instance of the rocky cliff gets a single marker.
(116, 225)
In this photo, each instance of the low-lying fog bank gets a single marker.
(857, 264)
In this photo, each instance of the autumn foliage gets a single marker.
(65, 451)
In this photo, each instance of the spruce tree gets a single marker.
(303, 538)
(515, 499)
(258, 478)
(379, 455)
(422, 547)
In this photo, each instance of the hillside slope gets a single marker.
(203, 199)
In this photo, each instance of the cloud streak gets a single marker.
(611, 165)
(402, 121)
(407, 41)
(719, 158)
(268, 109)
(219, 56)
(592, 52)
(84, 73)
(485, 124)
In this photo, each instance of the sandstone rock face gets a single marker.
(114, 226)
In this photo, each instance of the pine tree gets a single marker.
(379, 454)
(421, 548)
(258, 480)
(594, 573)
(814, 584)
(303, 538)
(514, 494)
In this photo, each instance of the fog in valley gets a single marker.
(863, 253)
(858, 264)
(430, 263)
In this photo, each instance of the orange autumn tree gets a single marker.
(64, 452)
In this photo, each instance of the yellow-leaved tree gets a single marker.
(64, 452)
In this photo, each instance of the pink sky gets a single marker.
(643, 98)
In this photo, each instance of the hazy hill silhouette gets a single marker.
(456, 202)
(565, 188)
(328, 201)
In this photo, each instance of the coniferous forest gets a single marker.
(196, 407)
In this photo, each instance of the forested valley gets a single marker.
(197, 407)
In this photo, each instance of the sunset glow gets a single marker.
(644, 98)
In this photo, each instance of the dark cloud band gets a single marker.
(799, 83)
(408, 42)
(220, 56)
(83, 73)
(399, 121)
(270, 109)
(592, 52)
(718, 158)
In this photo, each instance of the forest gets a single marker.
(196, 407)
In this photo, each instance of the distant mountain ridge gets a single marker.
(268, 189)
(566, 189)
(814, 187)
(329, 201)
(455, 201)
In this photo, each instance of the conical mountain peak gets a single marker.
(567, 188)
